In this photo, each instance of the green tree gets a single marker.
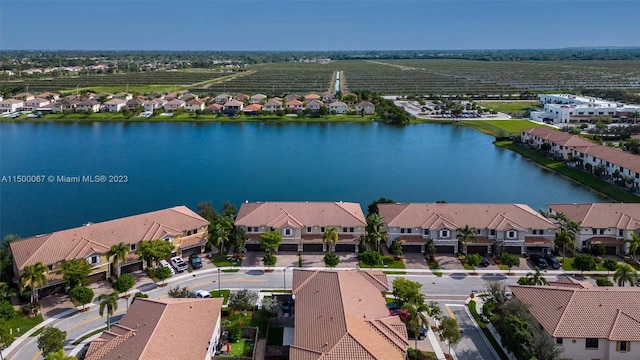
(370, 257)
(6, 260)
(584, 262)
(238, 238)
(124, 283)
(610, 264)
(543, 348)
(108, 302)
(375, 230)
(373, 207)
(465, 235)
(269, 259)
(450, 332)
(473, 260)
(568, 231)
(407, 291)
(330, 237)
(220, 233)
(535, 278)
(331, 260)
(243, 299)
(415, 317)
(51, 340)
(34, 276)
(598, 250)
(634, 243)
(510, 260)
(59, 355)
(82, 294)
(270, 242)
(206, 210)
(6, 336)
(516, 335)
(155, 250)
(75, 272)
(162, 273)
(625, 274)
(180, 292)
(139, 294)
(118, 254)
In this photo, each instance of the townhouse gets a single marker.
(273, 105)
(221, 99)
(194, 105)
(115, 104)
(519, 227)
(608, 224)
(295, 105)
(162, 329)
(314, 105)
(186, 230)
(343, 315)
(586, 322)
(365, 107)
(560, 143)
(88, 105)
(232, 107)
(302, 224)
(173, 105)
(10, 105)
(33, 104)
(338, 107)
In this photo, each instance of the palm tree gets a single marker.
(568, 231)
(119, 253)
(634, 243)
(110, 302)
(536, 278)
(330, 237)
(625, 274)
(34, 276)
(465, 235)
(415, 318)
(375, 229)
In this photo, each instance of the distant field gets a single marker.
(513, 108)
(496, 127)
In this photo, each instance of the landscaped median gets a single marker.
(473, 309)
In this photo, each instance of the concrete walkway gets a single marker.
(436, 346)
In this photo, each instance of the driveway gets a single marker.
(449, 262)
(415, 261)
(473, 345)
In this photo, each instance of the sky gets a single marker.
(282, 25)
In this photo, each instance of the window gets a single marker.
(95, 259)
(444, 233)
(601, 231)
(623, 346)
(249, 229)
(322, 229)
(620, 232)
(492, 232)
(591, 343)
(344, 229)
(426, 232)
(409, 231)
(255, 229)
(288, 232)
(351, 229)
(478, 231)
(594, 231)
(401, 230)
(559, 341)
(132, 247)
(308, 229)
(511, 234)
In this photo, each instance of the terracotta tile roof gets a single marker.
(116, 101)
(364, 104)
(616, 156)
(160, 329)
(602, 215)
(83, 241)
(233, 103)
(337, 104)
(195, 102)
(537, 240)
(258, 96)
(314, 103)
(342, 315)
(452, 216)
(253, 107)
(215, 107)
(294, 102)
(299, 214)
(570, 282)
(175, 102)
(604, 240)
(559, 137)
(241, 97)
(273, 102)
(611, 313)
(312, 96)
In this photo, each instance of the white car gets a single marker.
(203, 294)
(164, 263)
(178, 264)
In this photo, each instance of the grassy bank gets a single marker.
(578, 175)
(500, 128)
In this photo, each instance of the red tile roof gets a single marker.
(602, 215)
(299, 214)
(339, 316)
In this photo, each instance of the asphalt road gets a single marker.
(453, 287)
(473, 345)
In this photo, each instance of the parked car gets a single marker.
(485, 261)
(178, 264)
(203, 294)
(195, 261)
(552, 261)
(421, 336)
(164, 263)
(539, 261)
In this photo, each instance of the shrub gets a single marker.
(124, 283)
(178, 292)
(271, 305)
(139, 294)
(584, 262)
(603, 282)
(396, 248)
(242, 299)
(610, 264)
(331, 260)
(7, 312)
(82, 294)
(597, 250)
(269, 259)
(370, 257)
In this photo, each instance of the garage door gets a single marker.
(350, 248)
(610, 250)
(193, 250)
(516, 250)
(444, 249)
(97, 277)
(288, 247)
(129, 268)
(411, 248)
(477, 249)
(312, 248)
(50, 290)
(253, 247)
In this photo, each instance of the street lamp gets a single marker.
(284, 279)
(218, 282)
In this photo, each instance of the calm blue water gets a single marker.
(171, 164)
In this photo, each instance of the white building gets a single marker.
(565, 108)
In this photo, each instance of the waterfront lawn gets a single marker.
(578, 175)
(510, 107)
(497, 128)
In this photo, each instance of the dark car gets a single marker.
(412, 335)
(552, 261)
(195, 261)
(539, 261)
(485, 261)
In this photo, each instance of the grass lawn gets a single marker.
(275, 336)
(578, 175)
(515, 107)
(567, 264)
(21, 324)
(472, 308)
(223, 261)
(387, 263)
(223, 294)
(498, 127)
(240, 348)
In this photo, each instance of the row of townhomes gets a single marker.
(223, 103)
(518, 227)
(601, 160)
(586, 322)
(567, 108)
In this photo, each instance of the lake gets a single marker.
(168, 164)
